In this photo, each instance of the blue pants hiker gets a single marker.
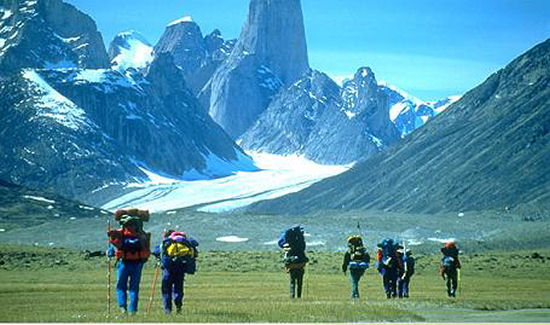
(128, 272)
(403, 287)
(172, 286)
(389, 278)
(451, 279)
(354, 277)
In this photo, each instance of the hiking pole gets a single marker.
(109, 270)
(151, 298)
(460, 283)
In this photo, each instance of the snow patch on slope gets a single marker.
(136, 52)
(185, 19)
(53, 105)
(278, 175)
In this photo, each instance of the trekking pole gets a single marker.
(460, 283)
(109, 270)
(307, 285)
(151, 298)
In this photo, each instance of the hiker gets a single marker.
(388, 266)
(405, 274)
(293, 243)
(450, 265)
(357, 260)
(177, 254)
(130, 245)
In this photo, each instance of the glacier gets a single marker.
(276, 176)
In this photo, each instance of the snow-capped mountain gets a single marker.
(197, 56)
(408, 113)
(130, 50)
(270, 52)
(47, 34)
(316, 118)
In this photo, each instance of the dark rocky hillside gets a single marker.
(489, 150)
(24, 207)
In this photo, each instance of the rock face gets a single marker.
(271, 52)
(75, 131)
(327, 124)
(197, 56)
(489, 150)
(130, 50)
(47, 34)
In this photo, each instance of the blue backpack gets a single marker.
(389, 255)
(293, 241)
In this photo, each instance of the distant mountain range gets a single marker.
(488, 151)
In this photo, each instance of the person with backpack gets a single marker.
(130, 245)
(294, 245)
(177, 254)
(450, 264)
(357, 260)
(407, 271)
(388, 266)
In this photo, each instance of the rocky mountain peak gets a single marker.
(184, 41)
(365, 79)
(48, 34)
(196, 55)
(130, 49)
(271, 52)
(274, 33)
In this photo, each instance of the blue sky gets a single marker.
(431, 49)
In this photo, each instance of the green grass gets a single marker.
(251, 287)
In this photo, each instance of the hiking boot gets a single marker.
(178, 310)
(123, 310)
(406, 295)
(388, 295)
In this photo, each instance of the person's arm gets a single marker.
(157, 251)
(110, 251)
(347, 259)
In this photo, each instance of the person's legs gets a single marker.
(386, 279)
(454, 284)
(400, 284)
(166, 290)
(122, 285)
(354, 277)
(449, 283)
(135, 278)
(406, 287)
(299, 282)
(178, 289)
(292, 275)
(393, 282)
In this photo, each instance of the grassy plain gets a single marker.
(47, 285)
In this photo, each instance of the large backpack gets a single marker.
(359, 257)
(293, 237)
(178, 251)
(132, 243)
(293, 242)
(388, 254)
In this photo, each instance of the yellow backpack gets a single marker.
(176, 249)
